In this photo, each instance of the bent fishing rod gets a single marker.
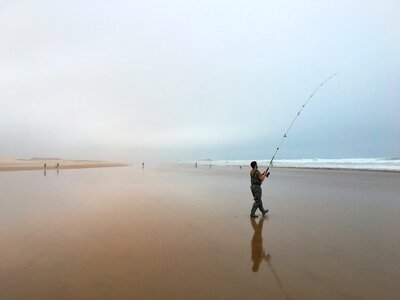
(294, 120)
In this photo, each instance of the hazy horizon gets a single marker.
(179, 80)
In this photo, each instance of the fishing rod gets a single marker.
(294, 120)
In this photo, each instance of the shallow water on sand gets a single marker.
(176, 232)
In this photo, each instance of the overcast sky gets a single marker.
(185, 80)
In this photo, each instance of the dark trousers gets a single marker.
(257, 193)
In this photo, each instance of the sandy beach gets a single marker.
(177, 232)
(11, 164)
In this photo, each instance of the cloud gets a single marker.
(103, 79)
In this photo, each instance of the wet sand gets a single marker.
(176, 232)
(10, 164)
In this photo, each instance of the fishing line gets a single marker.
(295, 118)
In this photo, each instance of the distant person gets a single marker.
(58, 165)
(142, 165)
(256, 180)
(45, 165)
(195, 165)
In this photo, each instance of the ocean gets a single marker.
(374, 164)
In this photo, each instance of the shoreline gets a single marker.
(297, 168)
(373, 164)
(12, 165)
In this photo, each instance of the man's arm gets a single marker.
(263, 175)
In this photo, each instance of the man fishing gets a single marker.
(256, 180)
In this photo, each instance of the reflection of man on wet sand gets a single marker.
(257, 250)
(258, 253)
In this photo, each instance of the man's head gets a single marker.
(253, 164)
